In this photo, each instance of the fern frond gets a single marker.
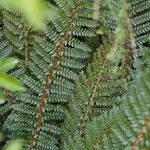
(125, 127)
(96, 92)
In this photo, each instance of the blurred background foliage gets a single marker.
(35, 11)
(6, 81)
(14, 145)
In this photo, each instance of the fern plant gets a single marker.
(52, 67)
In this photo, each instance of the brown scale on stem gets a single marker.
(141, 133)
(50, 76)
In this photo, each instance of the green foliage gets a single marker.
(95, 92)
(133, 118)
(52, 68)
(120, 33)
(129, 21)
(10, 83)
(140, 19)
(35, 11)
(7, 81)
(125, 127)
(15, 145)
(7, 64)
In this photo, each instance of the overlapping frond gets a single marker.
(96, 92)
(125, 127)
